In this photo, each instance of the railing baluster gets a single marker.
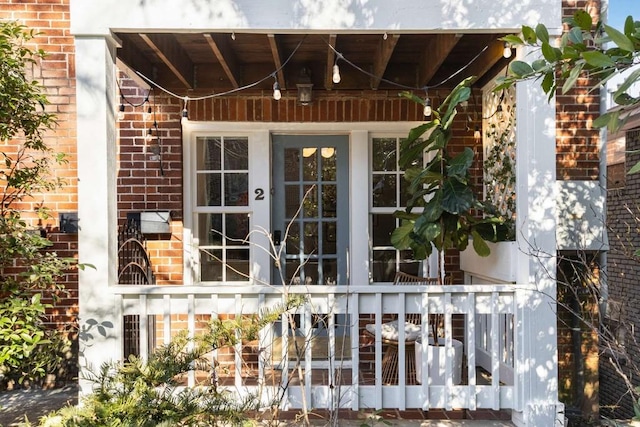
(191, 328)
(166, 319)
(495, 351)
(378, 350)
(402, 369)
(237, 354)
(144, 328)
(471, 354)
(354, 319)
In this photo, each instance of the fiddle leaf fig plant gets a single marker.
(443, 210)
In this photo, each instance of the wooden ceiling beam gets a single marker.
(331, 60)
(225, 56)
(172, 55)
(434, 56)
(277, 60)
(485, 62)
(131, 57)
(382, 57)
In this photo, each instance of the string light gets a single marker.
(427, 107)
(121, 112)
(476, 133)
(149, 136)
(277, 94)
(499, 112)
(507, 50)
(147, 115)
(185, 112)
(336, 74)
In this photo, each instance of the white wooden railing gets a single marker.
(489, 319)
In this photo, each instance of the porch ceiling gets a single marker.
(205, 63)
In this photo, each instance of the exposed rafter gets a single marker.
(487, 61)
(382, 57)
(129, 55)
(225, 56)
(331, 59)
(277, 60)
(434, 55)
(172, 55)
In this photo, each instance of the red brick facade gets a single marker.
(145, 183)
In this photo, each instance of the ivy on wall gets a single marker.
(499, 145)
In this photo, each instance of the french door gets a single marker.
(310, 209)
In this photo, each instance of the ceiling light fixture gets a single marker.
(304, 87)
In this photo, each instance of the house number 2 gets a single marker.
(259, 194)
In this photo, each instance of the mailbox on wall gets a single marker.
(154, 222)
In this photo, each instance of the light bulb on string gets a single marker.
(476, 133)
(499, 112)
(149, 136)
(277, 94)
(185, 113)
(427, 107)
(147, 114)
(336, 74)
(121, 112)
(507, 50)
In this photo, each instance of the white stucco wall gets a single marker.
(101, 16)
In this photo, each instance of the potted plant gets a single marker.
(443, 211)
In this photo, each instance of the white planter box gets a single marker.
(499, 267)
(436, 360)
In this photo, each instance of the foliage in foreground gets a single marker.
(588, 50)
(447, 211)
(145, 394)
(28, 351)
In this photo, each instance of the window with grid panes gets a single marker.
(388, 194)
(222, 208)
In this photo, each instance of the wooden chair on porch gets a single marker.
(390, 334)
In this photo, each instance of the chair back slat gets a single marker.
(406, 279)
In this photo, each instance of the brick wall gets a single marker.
(623, 211)
(577, 142)
(56, 72)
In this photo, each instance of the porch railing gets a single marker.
(492, 322)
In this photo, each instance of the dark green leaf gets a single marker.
(583, 20)
(512, 39)
(550, 53)
(539, 64)
(627, 83)
(629, 27)
(573, 77)
(529, 34)
(460, 164)
(542, 33)
(621, 40)
(401, 236)
(456, 196)
(575, 35)
(520, 68)
(598, 59)
(548, 82)
(433, 209)
(634, 169)
(479, 245)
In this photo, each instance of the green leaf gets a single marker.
(550, 53)
(520, 68)
(598, 59)
(457, 197)
(627, 83)
(583, 20)
(512, 39)
(433, 209)
(622, 41)
(634, 169)
(548, 82)
(542, 33)
(573, 77)
(529, 34)
(479, 245)
(401, 236)
(629, 26)
(575, 36)
(460, 164)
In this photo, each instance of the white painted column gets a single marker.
(537, 364)
(100, 322)
(359, 209)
